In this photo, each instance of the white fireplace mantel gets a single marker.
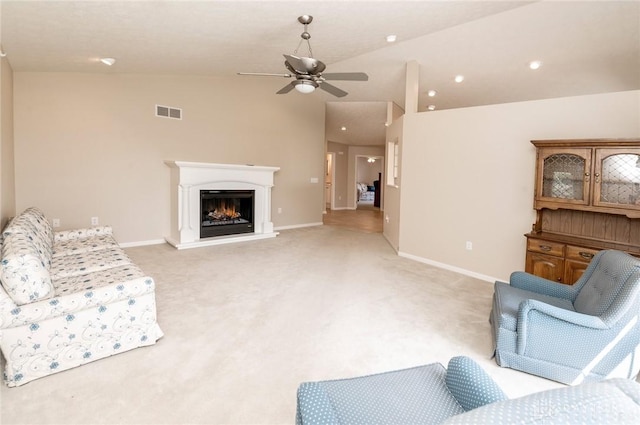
(189, 178)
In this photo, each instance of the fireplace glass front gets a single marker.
(226, 212)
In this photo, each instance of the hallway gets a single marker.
(362, 220)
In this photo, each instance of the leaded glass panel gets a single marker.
(563, 176)
(620, 179)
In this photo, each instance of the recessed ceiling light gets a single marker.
(459, 78)
(344, 129)
(431, 93)
(431, 107)
(535, 64)
(391, 38)
(108, 61)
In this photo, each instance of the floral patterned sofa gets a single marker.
(68, 298)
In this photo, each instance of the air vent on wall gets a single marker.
(168, 112)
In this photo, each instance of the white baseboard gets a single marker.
(340, 208)
(449, 267)
(297, 226)
(142, 243)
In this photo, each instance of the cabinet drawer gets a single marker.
(545, 247)
(580, 254)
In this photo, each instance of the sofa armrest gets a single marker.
(471, 386)
(540, 285)
(314, 405)
(65, 235)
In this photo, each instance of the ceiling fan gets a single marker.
(308, 71)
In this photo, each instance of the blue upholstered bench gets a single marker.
(461, 394)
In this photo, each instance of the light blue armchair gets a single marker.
(570, 334)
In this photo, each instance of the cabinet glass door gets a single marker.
(617, 178)
(565, 175)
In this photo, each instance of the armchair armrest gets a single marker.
(527, 307)
(540, 285)
(572, 317)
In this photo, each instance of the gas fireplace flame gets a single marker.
(223, 212)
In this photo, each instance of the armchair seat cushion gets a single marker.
(508, 301)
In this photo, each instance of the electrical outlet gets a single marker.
(94, 221)
(469, 246)
(279, 210)
(55, 222)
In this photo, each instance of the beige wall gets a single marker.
(7, 181)
(90, 145)
(367, 172)
(392, 199)
(468, 175)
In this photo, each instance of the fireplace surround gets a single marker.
(190, 179)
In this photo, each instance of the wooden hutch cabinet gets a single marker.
(587, 198)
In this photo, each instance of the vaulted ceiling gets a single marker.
(586, 47)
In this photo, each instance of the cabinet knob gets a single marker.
(586, 177)
(597, 177)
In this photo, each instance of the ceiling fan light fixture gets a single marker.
(306, 86)
(108, 61)
(535, 65)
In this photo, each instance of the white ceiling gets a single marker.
(586, 47)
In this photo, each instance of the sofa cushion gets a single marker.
(23, 272)
(87, 262)
(83, 240)
(39, 220)
(24, 226)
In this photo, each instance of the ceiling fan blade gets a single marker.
(305, 65)
(265, 74)
(333, 90)
(286, 89)
(346, 76)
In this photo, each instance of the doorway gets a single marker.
(369, 182)
(329, 181)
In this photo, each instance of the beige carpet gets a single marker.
(246, 323)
